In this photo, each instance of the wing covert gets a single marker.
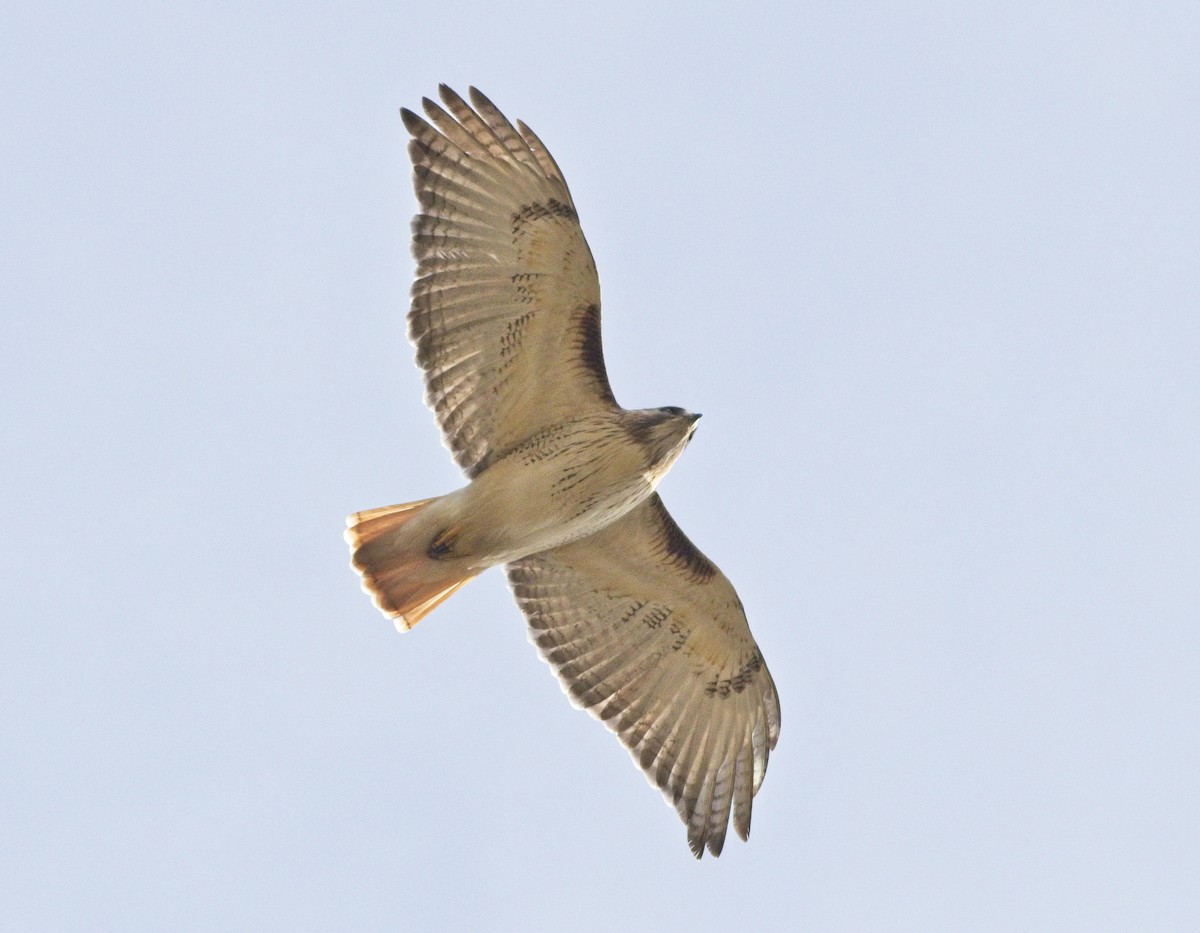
(650, 637)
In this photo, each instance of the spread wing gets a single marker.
(506, 304)
(649, 636)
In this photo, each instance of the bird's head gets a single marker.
(662, 433)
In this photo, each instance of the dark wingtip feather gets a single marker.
(412, 122)
(431, 108)
(449, 96)
(480, 99)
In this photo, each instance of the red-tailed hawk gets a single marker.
(641, 628)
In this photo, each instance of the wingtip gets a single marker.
(449, 96)
(742, 827)
(480, 99)
(412, 121)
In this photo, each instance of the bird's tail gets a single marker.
(404, 580)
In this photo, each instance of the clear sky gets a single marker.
(931, 272)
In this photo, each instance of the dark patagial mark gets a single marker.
(678, 547)
(591, 351)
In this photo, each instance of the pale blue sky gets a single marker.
(929, 270)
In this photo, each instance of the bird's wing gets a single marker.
(649, 636)
(506, 304)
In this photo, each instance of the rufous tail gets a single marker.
(405, 583)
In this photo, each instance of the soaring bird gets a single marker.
(641, 628)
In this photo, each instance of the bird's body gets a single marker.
(642, 629)
(583, 474)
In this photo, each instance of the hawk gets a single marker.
(641, 628)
